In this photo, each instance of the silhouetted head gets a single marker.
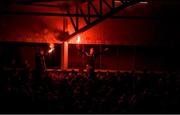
(41, 52)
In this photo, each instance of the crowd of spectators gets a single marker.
(27, 91)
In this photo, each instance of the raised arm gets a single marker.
(106, 49)
(81, 51)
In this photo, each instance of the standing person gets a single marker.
(40, 61)
(40, 65)
(91, 55)
(90, 62)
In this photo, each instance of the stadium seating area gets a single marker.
(28, 91)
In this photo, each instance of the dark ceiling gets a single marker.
(6, 5)
(65, 3)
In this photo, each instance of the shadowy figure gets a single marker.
(40, 61)
(91, 58)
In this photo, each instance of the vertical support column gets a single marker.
(64, 56)
(100, 7)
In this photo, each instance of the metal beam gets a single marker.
(100, 7)
(77, 18)
(107, 4)
(44, 14)
(94, 8)
(42, 5)
(46, 1)
(84, 16)
(72, 22)
(36, 1)
(105, 16)
(75, 15)
(89, 11)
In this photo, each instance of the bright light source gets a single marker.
(78, 39)
(51, 46)
(50, 51)
(117, 1)
(144, 2)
